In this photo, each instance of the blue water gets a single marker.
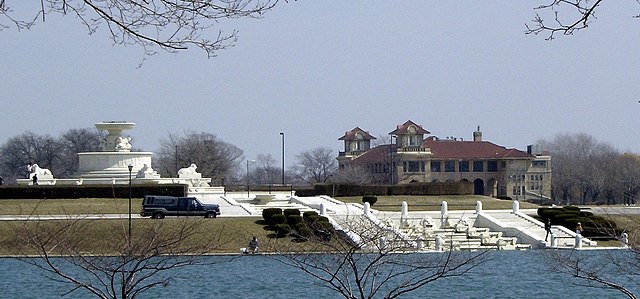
(506, 274)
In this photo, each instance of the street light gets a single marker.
(391, 149)
(248, 188)
(130, 169)
(282, 134)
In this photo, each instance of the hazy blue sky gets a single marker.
(315, 69)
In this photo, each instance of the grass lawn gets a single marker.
(432, 203)
(102, 236)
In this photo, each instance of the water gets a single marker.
(508, 274)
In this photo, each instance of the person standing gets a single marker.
(35, 179)
(547, 227)
(579, 228)
(29, 170)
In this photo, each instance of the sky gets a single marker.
(316, 69)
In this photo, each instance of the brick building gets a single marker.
(415, 156)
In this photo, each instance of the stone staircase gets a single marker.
(535, 229)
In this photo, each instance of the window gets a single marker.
(478, 166)
(463, 166)
(503, 164)
(435, 166)
(492, 166)
(413, 166)
(414, 140)
(449, 166)
(539, 164)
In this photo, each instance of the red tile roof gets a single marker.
(377, 154)
(351, 135)
(403, 129)
(450, 149)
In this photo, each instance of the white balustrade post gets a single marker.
(478, 207)
(516, 206)
(323, 210)
(419, 242)
(383, 243)
(554, 240)
(404, 212)
(578, 241)
(438, 243)
(367, 207)
(443, 212)
(444, 207)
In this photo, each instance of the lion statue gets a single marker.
(191, 170)
(36, 170)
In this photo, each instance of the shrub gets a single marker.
(288, 212)
(302, 229)
(292, 220)
(308, 214)
(278, 219)
(370, 199)
(282, 230)
(268, 213)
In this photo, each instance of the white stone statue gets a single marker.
(147, 172)
(40, 172)
(123, 144)
(189, 172)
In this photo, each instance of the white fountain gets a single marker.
(116, 156)
(116, 163)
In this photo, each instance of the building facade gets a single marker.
(415, 156)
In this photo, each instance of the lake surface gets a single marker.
(508, 274)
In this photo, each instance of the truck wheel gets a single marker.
(158, 216)
(210, 215)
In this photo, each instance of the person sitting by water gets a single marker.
(253, 245)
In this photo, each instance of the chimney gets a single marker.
(477, 135)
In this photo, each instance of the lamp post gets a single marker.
(282, 134)
(392, 149)
(248, 175)
(130, 169)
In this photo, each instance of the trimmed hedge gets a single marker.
(268, 213)
(569, 216)
(292, 220)
(341, 190)
(370, 199)
(90, 191)
(278, 219)
(308, 214)
(288, 212)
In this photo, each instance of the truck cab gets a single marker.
(158, 207)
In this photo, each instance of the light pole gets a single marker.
(391, 149)
(130, 169)
(282, 134)
(248, 175)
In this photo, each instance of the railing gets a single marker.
(412, 149)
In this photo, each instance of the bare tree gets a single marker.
(316, 165)
(153, 24)
(563, 16)
(115, 267)
(580, 166)
(265, 172)
(214, 158)
(627, 174)
(354, 173)
(21, 150)
(375, 266)
(77, 141)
